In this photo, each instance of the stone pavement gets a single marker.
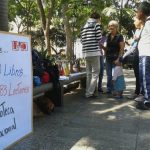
(92, 124)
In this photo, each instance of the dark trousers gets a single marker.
(136, 72)
(101, 74)
(109, 68)
(144, 65)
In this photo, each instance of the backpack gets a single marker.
(37, 63)
(36, 81)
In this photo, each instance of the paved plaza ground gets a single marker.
(92, 124)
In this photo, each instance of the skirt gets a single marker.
(119, 84)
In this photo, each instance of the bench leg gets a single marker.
(56, 94)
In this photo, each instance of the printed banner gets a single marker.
(16, 90)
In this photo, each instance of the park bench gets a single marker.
(64, 80)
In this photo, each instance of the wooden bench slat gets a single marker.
(40, 90)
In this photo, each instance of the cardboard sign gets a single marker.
(16, 88)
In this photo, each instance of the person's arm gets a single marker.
(98, 29)
(131, 50)
(121, 50)
(103, 47)
(81, 32)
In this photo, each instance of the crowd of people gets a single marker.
(97, 46)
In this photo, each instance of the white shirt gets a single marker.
(134, 43)
(144, 42)
(117, 71)
(137, 33)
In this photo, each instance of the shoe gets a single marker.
(141, 106)
(92, 96)
(147, 104)
(140, 98)
(118, 97)
(133, 96)
(100, 90)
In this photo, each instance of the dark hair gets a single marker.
(145, 8)
(95, 15)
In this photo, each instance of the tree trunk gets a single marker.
(3, 15)
(47, 41)
(46, 21)
(46, 33)
(69, 38)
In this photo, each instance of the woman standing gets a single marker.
(114, 50)
(133, 49)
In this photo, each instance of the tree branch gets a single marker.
(42, 13)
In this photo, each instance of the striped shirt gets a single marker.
(90, 36)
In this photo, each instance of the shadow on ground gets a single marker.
(92, 124)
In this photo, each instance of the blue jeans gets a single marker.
(101, 74)
(109, 68)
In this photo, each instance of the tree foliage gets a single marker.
(59, 16)
(23, 13)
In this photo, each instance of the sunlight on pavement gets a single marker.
(113, 109)
(98, 103)
(82, 144)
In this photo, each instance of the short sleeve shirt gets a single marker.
(113, 46)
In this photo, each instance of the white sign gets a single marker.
(15, 88)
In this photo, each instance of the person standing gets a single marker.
(143, 13)
(133, 49)
(102, 60)
(90, 37)
(118, 81)
(113, 51)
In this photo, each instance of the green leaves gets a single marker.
(26, 11)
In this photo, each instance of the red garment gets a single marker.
(45, 77)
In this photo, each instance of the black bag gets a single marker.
(56, 94)
(37, 63)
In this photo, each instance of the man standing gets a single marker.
(90, 36)
(143, 13)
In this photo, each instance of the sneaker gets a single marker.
(100, 90)
(118, 97)
(140, 98)
(133, 96)
(141, 106)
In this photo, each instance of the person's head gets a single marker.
(95, 16)
(138, 23)
(113, 26)
(143, 11)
